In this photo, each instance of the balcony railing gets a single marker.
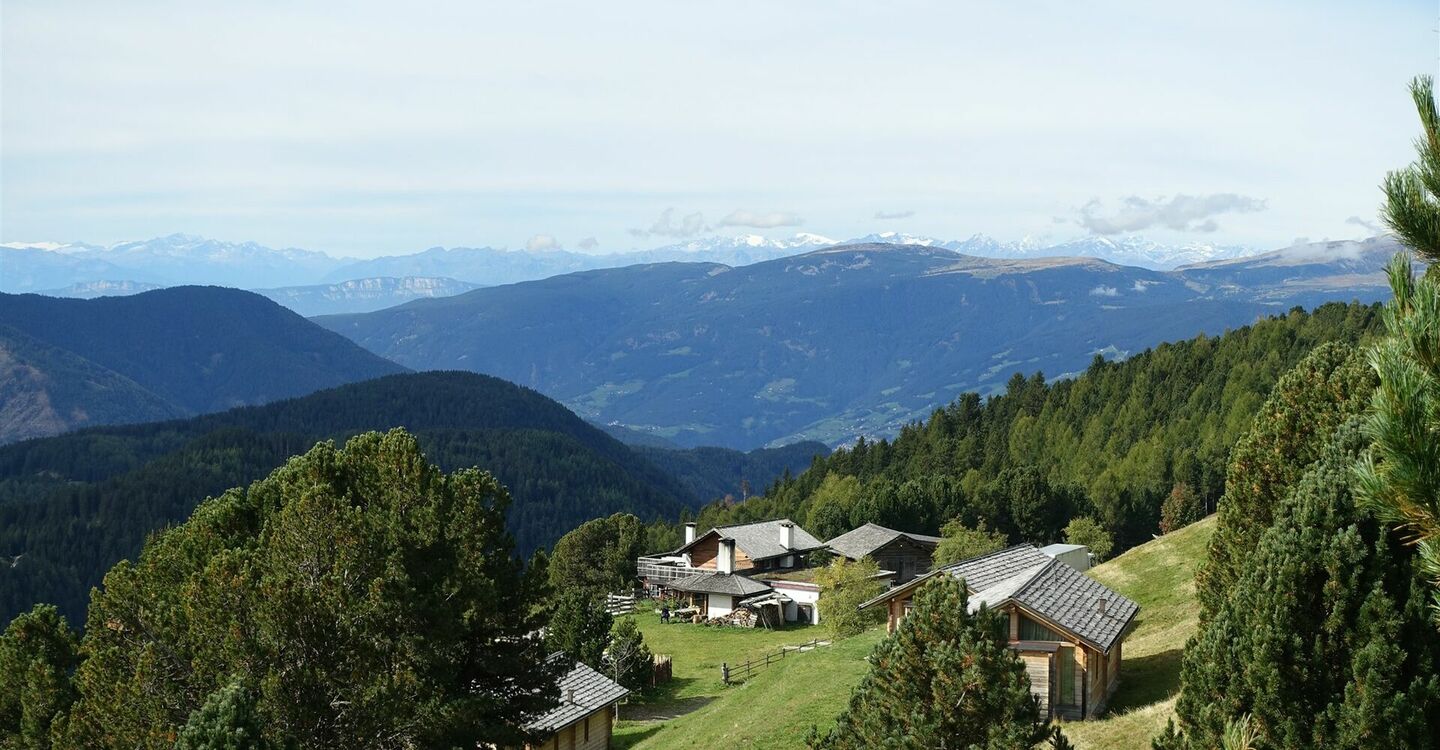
(653, 570)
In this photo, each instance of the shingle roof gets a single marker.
(1071, 599)
(982, 572)
(592, 692)
(1045, 586)
(863, 541)
(761, 540)
(718, 583)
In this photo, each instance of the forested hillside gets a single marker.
(1112, 443)
(716, 473)
(73, 505)
(189, 349)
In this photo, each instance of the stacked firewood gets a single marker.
(740, 618)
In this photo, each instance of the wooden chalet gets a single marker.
(717, 572)
(906, 555)
(583, 719)
(1068, 628)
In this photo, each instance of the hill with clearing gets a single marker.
(777, 707)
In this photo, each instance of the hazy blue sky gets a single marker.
(370, 128)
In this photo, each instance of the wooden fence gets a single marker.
(731, 675)
(660, 673)
(619, 604)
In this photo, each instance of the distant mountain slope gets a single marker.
(1304, 274)
(192, 349)
(715, 473)
(363, 295)
(827, 346)
(840, 342)
(73, 505)
(488, 266)
(45, 390)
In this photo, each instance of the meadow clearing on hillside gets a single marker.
(777, 707)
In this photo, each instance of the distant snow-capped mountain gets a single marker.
(186, 259)
(1125, 251)
(174, 260)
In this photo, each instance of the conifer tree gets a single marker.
(38, 654)
(628, 660)
(945, 679)
(1182, 507)
(580, 627)
(1322, 641)
(1412, 195)
(361, 591)
(1400, 477)
(1327, 387)
(227, 721)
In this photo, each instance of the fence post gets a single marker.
(725, 672)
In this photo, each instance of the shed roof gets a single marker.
(859, 542)
(1060, 549)
(761, 539)
(718, 583)
(592, 692)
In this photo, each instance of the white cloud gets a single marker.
(588, 243)
(1182, 213)
(761, 220)
(883, 215)
(542, 242)
(1368, 226)
(1104, 291)
(666, 226)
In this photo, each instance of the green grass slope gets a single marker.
(777, 707)
(1160, 576)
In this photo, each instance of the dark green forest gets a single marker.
(1112, 443)
(71, 506)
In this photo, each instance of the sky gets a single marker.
(366, 129)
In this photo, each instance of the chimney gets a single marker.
(689, 533)
(1101, 604)
(787, 535)
(725, 560)
(569, 696)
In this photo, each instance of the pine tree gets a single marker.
(1400, 477)
(1412, 195)
(38, 654)
(599, 555)
(1322, 640)
(227, 721)
(1330, 385)
(580, 627)
(628, 660)
(945, 679)
(361, 591)
(1182, 507)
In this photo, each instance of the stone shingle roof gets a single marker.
(863, 541)
(592, 692)
(718, 583)
(1046, 586)
(1070, 599)
(982, 572)
(761, 540)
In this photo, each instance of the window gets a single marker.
(1065, 692)
(1034, 631)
